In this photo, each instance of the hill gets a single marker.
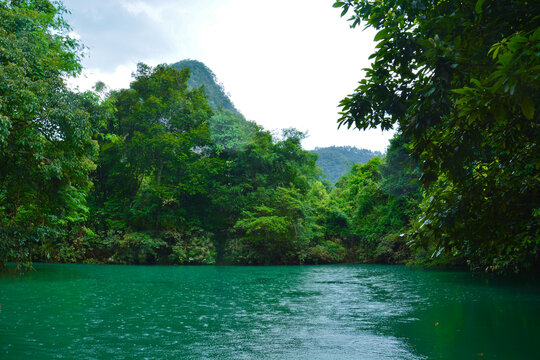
(337, 160)
(202, 75)
(230, 130)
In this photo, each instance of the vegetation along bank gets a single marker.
(168, 171)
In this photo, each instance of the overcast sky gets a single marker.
(285, 63)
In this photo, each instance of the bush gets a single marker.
(327, 252)
(392, 249)
(193, 247)
(138, 248)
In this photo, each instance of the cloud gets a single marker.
(119, 78)
(140, 7)
(116, 34)
(286, 63)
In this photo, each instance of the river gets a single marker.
(278, 312)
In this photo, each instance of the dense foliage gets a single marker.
(461, 80)
(46, 146)
(337, 160)
(178, 183)
(169, 172)
(378, 200)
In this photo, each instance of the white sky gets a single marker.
(285, 63)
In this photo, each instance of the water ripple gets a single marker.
(328, 312)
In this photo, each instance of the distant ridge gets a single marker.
(337, 160)
(202, 75)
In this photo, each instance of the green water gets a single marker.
(303, 312)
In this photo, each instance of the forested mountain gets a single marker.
(202, 75)
(337, 160)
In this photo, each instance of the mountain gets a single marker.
(202, 75)
(230, 129)
(337, 160)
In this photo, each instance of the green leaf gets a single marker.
(478, 6)
(381, 35)
(430, 91)
(536, 34)
(465, 90)
(476, 82)
(338, 4)
(495, 51)
(505, 58)
(519, 39)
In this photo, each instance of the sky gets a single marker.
(284, 63)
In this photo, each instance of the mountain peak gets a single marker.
(202, 75)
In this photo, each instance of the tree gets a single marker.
(174, 178)
(248, 190)
(377, 201)
(461, 80)
(230, 131)
(279, 229)
(46, 145)
(156, 158)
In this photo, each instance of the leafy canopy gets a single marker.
(46, 146)
(461, 80)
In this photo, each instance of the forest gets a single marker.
(169, 172)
